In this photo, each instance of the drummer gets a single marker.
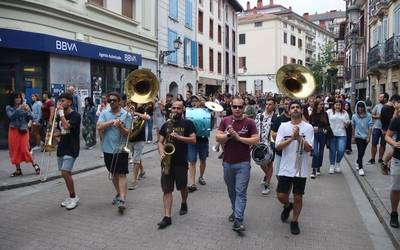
(200, 148)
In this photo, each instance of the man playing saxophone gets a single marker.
(179, 132)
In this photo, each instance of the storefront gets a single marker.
(34, 62)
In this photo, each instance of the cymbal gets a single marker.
(214, 106)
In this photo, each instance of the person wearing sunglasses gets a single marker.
(183, 133)
(115, 123)
(293, 170)
(237, 132)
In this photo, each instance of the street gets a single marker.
(331, 218)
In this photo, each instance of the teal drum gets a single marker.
(201, 119)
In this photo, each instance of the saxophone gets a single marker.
(169, 148)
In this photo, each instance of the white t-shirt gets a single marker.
(338, 122)
(288, 160)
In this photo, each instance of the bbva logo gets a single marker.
(66, 46)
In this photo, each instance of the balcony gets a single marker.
(376, 56)
(310, 47)
(392, 50)
(361, 72)
(377, 9)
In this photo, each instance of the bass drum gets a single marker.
(262, 154)
(201, 119)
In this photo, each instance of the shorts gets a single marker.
(65, 163)
(277, 163)
(285, 182)
(395, 173)
(116, 163)
(200, 148)
(378, 135)
(178, 175)
(137, 151)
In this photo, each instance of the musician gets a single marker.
(137, 145)
(115, 123)
(68, 123)
(294, 162)
(264, 123)
(183, 134)
(237, 132)
(201, 149)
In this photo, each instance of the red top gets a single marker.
(46, 109)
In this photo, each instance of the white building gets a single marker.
(270, 37)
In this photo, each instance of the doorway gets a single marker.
(7, 86)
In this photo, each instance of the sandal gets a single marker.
(37, 168)
(17, 172)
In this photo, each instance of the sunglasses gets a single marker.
(178, 108)
(237, 106)
(112, 100)
(295, 107)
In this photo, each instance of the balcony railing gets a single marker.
(377, 8)
(376, 56)
(385, 54)
(392, 50)
(361, 72)
(310, 46)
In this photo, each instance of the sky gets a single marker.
(302, 6)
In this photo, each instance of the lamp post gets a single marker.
(353, 14)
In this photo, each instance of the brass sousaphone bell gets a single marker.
(295, 81)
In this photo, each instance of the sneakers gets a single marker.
(133, 185)
(384, 169)
(294, 228)
(73, 203)
(202, 181)
(221, 156)
(165, 222)
(65, 202)
(394, 220)
(266, 190)
(372, 161)
(215, 148)
(184, 209)
(148, 142)
(130, 161)
(231, 217)
(318, 172)
(380, 161)
(348, 151)
(361, 172)
(331, 169)
(192, 188)
(286, 211)
(142, 175)
(313, 174)
(115, 200)
(338, 169)
(238, 226)
(121, 206)
(264, 180)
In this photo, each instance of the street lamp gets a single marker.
(353, 15)
(164, 53)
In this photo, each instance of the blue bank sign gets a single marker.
(41, 42)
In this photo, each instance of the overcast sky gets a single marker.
(302, 6)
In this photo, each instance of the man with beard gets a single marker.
(294, 163)
(180, 135)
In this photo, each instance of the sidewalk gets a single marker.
(87, 160)
(376, 186)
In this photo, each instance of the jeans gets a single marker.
(149, 124)
(318, 149)
(361, 147)
(336, 149)
(237, 178)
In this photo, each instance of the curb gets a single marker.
(51, 178)
(376, 204)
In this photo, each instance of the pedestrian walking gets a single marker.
(68, 123)
(149, 122)
(48, 112)
(158, 117)
(378, 136)
(237, 133)
(19, 115)
(361, 135)
(36, 121)
(89, 123)
(349, 128)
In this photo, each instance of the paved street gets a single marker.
(331, 218)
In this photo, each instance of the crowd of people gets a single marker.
(295, 130)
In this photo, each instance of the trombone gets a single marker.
(48, 147)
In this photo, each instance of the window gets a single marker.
(284, 60)
(242, 62)
(292, 60)
(187, 52)
(226, 13)
(172, 35)
(219, 9)
(299, 30)
(219, 34)
(300, 62)
(292, 40)
(226, 63)
(189, 13)
(227, 36)
(173, 9)
(97, 2)
(233, 65)
(219, 63)
(211, 60)
(127, 8)
(396, 21)
(300, 43)
(200, 56)
(242, 38)
(233, 41)
(292, 27)
(201, 2)
(211, 6)
(233, 17)
(284, 37)
(385, 28)
(211, 29)
(200, 21)
(258, 24)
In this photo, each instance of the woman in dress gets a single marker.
(89, 123)
(19, 115)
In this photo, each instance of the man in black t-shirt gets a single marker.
(180, 132)
(68, 122)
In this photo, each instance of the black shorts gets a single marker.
(178, 175)
(116, 163)
(284, 184)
